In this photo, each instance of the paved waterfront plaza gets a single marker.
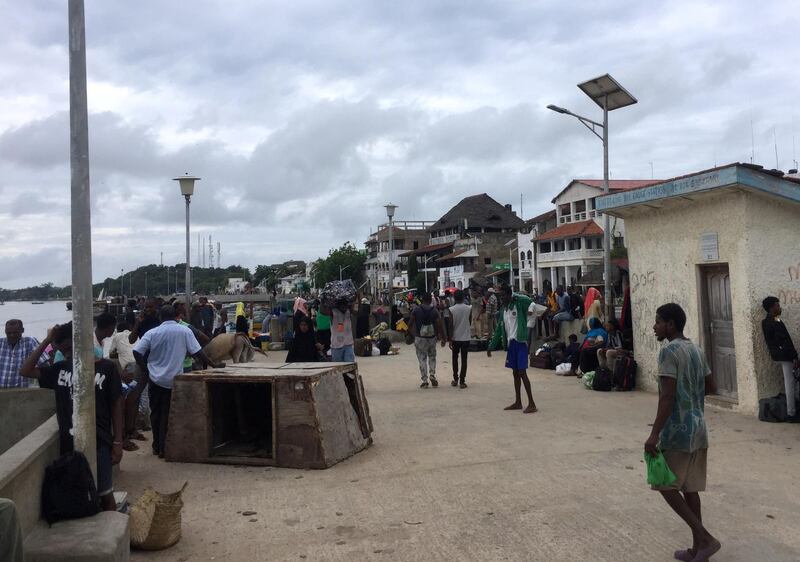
(451, 475)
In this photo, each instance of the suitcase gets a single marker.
(362, 347)
(624, 377)
(542, 361)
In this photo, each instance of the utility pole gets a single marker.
(83, 412)
(219, 255)
(210, 253)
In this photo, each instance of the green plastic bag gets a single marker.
(658, 472)
(588, 379)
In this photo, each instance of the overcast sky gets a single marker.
(305, 118)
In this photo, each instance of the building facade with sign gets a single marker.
(717, 243)
(406, 235)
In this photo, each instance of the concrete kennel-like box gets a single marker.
(294, 415)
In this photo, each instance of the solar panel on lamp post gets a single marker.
(609, 95)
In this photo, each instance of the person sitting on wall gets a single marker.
(564, 310)
(596, 339)
(607, 356)
(782, 350)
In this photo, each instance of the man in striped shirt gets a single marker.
(14, 349)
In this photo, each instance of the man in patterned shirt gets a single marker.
(679, 430)
(14, 348)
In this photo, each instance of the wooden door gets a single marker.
(719, 313)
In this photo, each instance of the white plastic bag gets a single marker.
(563, 368)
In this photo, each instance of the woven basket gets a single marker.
(156, 519)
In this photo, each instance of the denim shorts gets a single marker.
(105, 485)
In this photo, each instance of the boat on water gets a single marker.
(37, 302)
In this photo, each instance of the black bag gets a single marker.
(602, 380)
(478, 345)
(773, 409)
(384, 345)
(68, 490)
(624, 373)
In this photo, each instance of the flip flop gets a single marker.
(130, 446)
(703, 554)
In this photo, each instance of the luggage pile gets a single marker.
(622, 378)
(337, 293)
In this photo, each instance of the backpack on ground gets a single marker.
(68, 490)
(624, 377)
(602, 380)
(542, 360)
(773, 409)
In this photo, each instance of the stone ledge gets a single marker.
(104, 537)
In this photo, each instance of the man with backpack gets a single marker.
(426, 327)
(108, 405)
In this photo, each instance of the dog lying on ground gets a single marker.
(233, 346)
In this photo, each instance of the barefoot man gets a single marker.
(679, 430)
(513, 330)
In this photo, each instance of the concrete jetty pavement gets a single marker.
(452, 476)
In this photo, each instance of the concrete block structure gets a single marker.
(716, 242)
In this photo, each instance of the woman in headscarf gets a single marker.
(596, 338)
(304, 347)
(593, 306)
(300, 311)
(362, 319)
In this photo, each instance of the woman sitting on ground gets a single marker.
(304, 347)
(596, 339)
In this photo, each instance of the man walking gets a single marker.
(14, 349)
(513, 330)
(459, 338)
(426, 327)
(491, 311)
(679, 429)
(168, 344)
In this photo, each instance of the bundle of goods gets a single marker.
(337, 293)
(542, 359)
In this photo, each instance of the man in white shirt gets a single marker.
(165, 348)
(459, 338)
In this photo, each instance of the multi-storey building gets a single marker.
(572, 253)
(379, 275)
(526, 279)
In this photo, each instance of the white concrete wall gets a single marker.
(757, 239)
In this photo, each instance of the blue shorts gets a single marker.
(343, 354)
(105, 484)
(517, 356)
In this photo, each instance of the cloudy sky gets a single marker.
(304, 118)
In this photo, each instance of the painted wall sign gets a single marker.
(709, 246)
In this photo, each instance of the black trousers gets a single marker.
(460, 347)
(160, 399)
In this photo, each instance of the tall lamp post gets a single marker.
(609, 95)
(341, 270)
(390, 209)
(187, 190)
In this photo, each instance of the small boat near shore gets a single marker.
(37, 302)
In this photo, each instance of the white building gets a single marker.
(526, 278)
(572, 253)
(235, 285)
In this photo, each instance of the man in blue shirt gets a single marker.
(564, 309)
(167, 344)
(679, 430)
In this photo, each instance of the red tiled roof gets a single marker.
(542, 218)
(571, 230)
(426, 249)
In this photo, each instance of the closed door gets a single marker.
(720, 330)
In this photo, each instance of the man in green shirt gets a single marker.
(512, 330)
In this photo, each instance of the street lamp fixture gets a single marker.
(390, 209)
(609, 95)
(186, 182)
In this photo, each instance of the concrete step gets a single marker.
(104, 537)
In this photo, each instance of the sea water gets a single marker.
(36, 318)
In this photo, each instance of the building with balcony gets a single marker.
(526, 278)
(467, 242)
(380, 276)
(572, 253)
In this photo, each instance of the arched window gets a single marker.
(530, 255)
(522, 256)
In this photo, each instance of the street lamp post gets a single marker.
(341, 270)
(187, 190)
(609, 95)
(390, 208)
